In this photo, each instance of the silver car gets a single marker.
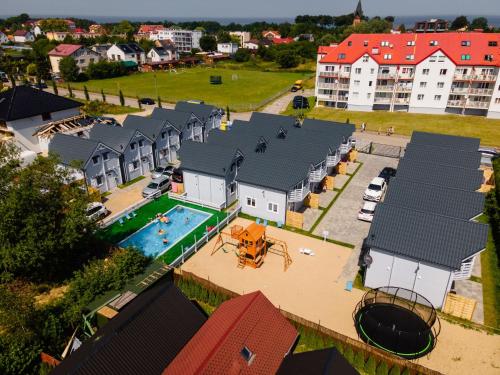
(167, 170)
(156, 187)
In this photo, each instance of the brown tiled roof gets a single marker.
(249, 321)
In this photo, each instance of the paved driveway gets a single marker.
(341, 220)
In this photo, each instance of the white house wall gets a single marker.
(262, 196)
(494, 110)
(108, 169)
(205, 188)
(430, 281)
(362, 85)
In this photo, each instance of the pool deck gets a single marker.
(313, 288)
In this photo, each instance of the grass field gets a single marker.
(117, 232)
(242, 90)
(405, 123)
(97, 108)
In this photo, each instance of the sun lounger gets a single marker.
(265, 222)
(133, 214)
(279, 224)
(306, 251)
(257, 221)
(120, 220)
(348, 286)
(128, 217)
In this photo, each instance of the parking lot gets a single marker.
(341, 220)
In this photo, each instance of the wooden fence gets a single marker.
(355, 345)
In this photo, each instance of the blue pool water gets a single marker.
(182, 221)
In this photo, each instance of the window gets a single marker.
(366, 58)
(99, 180)
(437, 97)
(250, 202)
(349, 43)
(384, 43)
(423, 84)
(410, 57)
(372, 71)
(163, 135)
(356, 83)
(432, 58)
(410, 43)
(441, 58)
(433, 43)
(46, 116)
(95, 159)
(92, 60)
(132, 146)
(82, 61)
(341, 56)
(443, 72)
(232, 188)
(272, 207)
(134, 165)
(247, 355)
(420, 97)
(465, 43)
(425, 72)
(347, 69)
(365, 43)
(357, 71)
(355, 94)
(141, 143)
(388, 56)
(488, 57)
(465, 57)
(105, 156)
(497, 101)
(440, 85)
(370, 83)
(492, 43)
(369, 95)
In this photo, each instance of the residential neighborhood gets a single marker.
(246, 188)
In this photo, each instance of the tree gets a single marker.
(31, 69)
(479, 23)
(103, 96)
(122, 99)
(402, 28)
(9, 166)
(359, 360)
(208, 43)
(382, 368)
(124, 27)
(86, 93)
(44, 229)
(159, 102)
(395, 370)
(242, 55)
(105, 69)
(223, 37)
(371, 365)
(70, 91)
(228, 114)
(54, 87)
(68, 68)
(287, 59)
(459, 23)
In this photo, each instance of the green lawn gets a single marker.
(117, 232)
(405, 123)
(99, 108)
(242, 90)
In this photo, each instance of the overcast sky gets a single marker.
(246, 8)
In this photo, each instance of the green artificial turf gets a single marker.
(117, 232)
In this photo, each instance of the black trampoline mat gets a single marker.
(401, 318)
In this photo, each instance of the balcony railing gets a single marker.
(298, 195)
(459, 90)
(475, 77)
(403, 89)
(387, 88)
(345, 74)
(173, 140)
(406, 75)
(456, 103)
(317, 175)
(477, 91)
(328, 74)
(386, 75)
(477, 104)
(386, 100)
(341, 98)
(326, 85)
(332, 160)
(402, 101)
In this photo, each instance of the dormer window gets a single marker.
(384, 43)
(349, 43)
(492, 43)
(488, 57)
(247, 355)
(465, 43)
(341, 56)
(410, 43)
(433, 43)
(365, 43)
(132, 146)
(281, 133)
(387, 56)
(465, 57)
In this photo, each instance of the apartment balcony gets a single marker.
(145, 150)
(326, 85)
(406, 75)
(341, 98)
(323, 73)
(403, 101)
(403, 89)
(385, 88)
(459, 90)
(382, 100)
(475, 77)
(477, 91)
(477, 104)
(317, 175)
(111, 164)
(456, 103)
(462, 77)
(332, 160)
(345, 74)
(173, 141)
(386, 76)
(298, 195)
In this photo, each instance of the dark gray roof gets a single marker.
(71, 148)
(205, 158)
(202, 111)
(130, 48)
(260, 118)
(177, 119)
(150, 127)
(142, 339)
(446, 141)
(272, 172)
(424, 236)
(441, 175)
(160, 51)
(446, 156)
(115, 137)
(24, 101)
(457, 203)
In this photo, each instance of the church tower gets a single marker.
(358, 14)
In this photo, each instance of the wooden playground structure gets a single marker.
(252, 245)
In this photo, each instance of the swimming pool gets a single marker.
(150, 238)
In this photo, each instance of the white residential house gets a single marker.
(126, 52)
(243, 36)
(184, 40)
(422, 73)
(3, 38)
(160, 54)
(186, 123)
(227, 48)
(252, 44)
(23, 36)
(24, 111)
(82, 56)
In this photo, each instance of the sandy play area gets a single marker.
(312, 288)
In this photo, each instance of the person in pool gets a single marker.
(161, 231)
(165, 240)
(186, 220)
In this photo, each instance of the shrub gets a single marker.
(68, 68)
(106, 69)
(349, 355)
(406, 371)
(242, 55)
(287, 59)
(371, 365)
(395, 370)
(382, 369)
(359, 360)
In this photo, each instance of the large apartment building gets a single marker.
(422, 73)
(184, 40)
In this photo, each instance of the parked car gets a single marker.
(40, 86)
(147, 101)
(375, 190)
(300, 102)
(367, 211)
(157, 187)
(162, 171)
(487, 155)
(96, 211)
(297, 86)
(387, 173)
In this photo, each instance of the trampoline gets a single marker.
(398, 321)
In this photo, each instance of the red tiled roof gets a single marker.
(79, 30)
(20, 33)
(398, 46)
(143, 29)
(65, 49)
(249, 321)
(283, 40)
